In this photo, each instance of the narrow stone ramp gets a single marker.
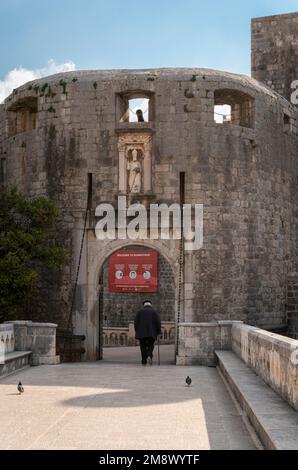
(275, 422)
(107, 406)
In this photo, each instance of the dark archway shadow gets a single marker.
(117, 309)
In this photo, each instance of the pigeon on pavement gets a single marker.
(188, 380)
(20, 388)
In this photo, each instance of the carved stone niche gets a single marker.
(135, 161)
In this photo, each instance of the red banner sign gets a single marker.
(133, 271)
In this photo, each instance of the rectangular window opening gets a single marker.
(22, 116)
(89, 197)
(234, 107)
(135, 107)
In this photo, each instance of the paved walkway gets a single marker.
(113, 405)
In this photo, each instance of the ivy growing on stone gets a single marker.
(63, 84)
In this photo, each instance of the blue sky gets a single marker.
(129, 33)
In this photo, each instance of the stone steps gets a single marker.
(15, 361)
(274, 421)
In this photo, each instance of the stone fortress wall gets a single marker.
(274, 61)
(274, 56)
(64, 136)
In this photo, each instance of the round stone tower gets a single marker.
(208, 137)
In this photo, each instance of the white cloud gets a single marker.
(19, 76)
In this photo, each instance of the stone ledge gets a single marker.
(38, 360)
(31, 323)
(274, 421)
(212, 323)
(14, 362)
(11, 356)
(122, 127)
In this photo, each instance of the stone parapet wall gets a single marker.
(7, 339)
(198, 341)
(273, 357)
(40, 338)
(125, 336)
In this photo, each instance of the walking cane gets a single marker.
(158, 355)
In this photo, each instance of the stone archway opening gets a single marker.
(118, 309)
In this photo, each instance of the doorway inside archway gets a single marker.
(122, 293)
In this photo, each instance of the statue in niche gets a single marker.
(134, 168)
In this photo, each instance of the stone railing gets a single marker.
(39, 338)
(273, 357)
(198, 341)
(125, 336)
(7, 340)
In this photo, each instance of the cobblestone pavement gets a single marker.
(120, 405)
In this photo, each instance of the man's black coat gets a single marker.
(147, 323)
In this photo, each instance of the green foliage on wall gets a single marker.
(27, 245)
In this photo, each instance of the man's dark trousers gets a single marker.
(147, 346)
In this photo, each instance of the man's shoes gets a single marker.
(144, 363)
(150, 361)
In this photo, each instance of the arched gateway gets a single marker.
(95, 257)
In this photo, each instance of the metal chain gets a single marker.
(180, 282)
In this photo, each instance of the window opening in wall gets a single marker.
(182, 187)
(234, 107)
(287, 119)
(89, 200)
(134, 107)
(22, 116)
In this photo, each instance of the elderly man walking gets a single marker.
(147, 328)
